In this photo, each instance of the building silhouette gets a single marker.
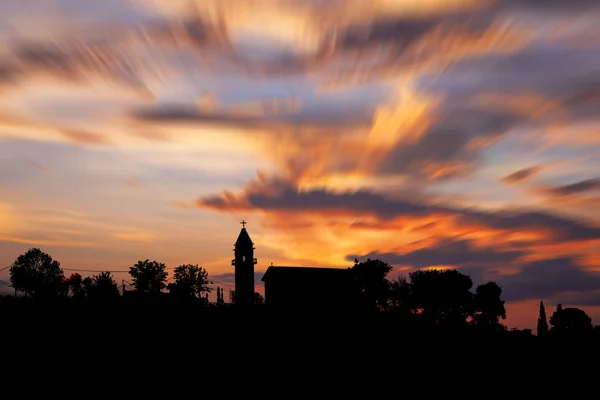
(292, 288)
(244, 262)
(310, 289)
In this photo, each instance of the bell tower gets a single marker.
(244, 268)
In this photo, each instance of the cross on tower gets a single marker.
(243, 223)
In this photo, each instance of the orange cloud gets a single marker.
(8, 222)
(406, 120)
(139, 237)
(85, 138)
(48, 242)
(328, 227)
(133, 185)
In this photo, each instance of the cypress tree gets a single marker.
(542, 325)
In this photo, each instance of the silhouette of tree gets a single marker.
(87, 285)
(36, 274)
(489, 307)
(570, 322)
(400, 296)
(542, 325)
(371, 276)
(148, 276)
(103, 288)
(444, 297)
(219, 296)
(556, 321)
(75, 287)
(258, 299)
(190, 282)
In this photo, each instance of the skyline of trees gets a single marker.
(436, 298)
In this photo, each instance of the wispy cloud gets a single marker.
(580, 187)
(85, 138)
(141, 237)
(38, 166)
(522, 174)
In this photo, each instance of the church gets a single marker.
(286, 287)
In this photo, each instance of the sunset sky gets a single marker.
(432, 133)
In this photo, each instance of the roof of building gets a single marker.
(304, 272)
(243, 238)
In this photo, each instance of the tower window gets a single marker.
(243, 258)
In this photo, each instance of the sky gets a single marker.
(429, 134)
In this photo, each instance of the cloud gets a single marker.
(451, 146)
(38, 166)
(522, 174)
(424, 227)
(581, 187)
(549, 278)
(449, 251)
(547, 6)
(564, 75)
(398, 31)
(440, 153)
(135, 185)
(315, 118)
(559, 228)
(48, 242)
(75, 62)
(277, 196)
(130, 58)
(138, 237)
(85, 138)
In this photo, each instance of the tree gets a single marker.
(220, 296)
(148, 276)
(36, 274)
(75, 286)
(190, 281)
(570, 322)
(489, 307)
(542, 325)
(444, 297)
(258, 299)
(371, 276)
(104, 289)
(400, 296)
(88, 286)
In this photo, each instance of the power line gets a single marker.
(115, 271)
(5, 283)
(2, 269)
(98, 270)
(89, 270)
(77, 269)
(220, 283)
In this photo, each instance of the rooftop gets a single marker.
(243, 238)
(284, 271)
